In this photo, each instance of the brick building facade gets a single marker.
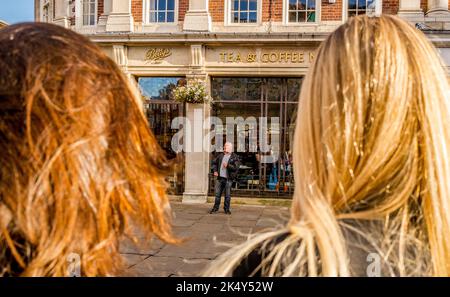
(251, 54)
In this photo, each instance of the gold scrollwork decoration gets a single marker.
(156, 55)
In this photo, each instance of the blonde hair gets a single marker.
(371, 144)
(79, 165)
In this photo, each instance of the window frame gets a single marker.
(228, 20)
(301, 24)
(79, 14)
(146, 14)
(378, 9)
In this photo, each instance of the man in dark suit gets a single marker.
(225, 168)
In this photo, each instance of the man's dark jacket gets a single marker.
(232, 167)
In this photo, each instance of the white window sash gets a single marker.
(79, 14)
(286, 22)
(146, 13)
(378, 9)
(228, 5)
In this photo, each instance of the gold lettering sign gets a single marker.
(267, 57)
(156, 55)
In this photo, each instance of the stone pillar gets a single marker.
(437, 7)
(196, 140)
(120, 18)
(445, 54)
(196, 157)
(61, 13)
(437, 16)
(103, 19)
(410, 10)
(197, 18)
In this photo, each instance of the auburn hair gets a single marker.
(79, 165)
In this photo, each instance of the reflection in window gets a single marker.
(160, 112)
(159, 88)
(254, 88)
(255, 97)
(301, 11)
(237, 89)
(358, 7)
(244, 11)
(89, 12)
(162, 11)
(293, 87)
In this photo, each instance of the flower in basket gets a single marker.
(194, 92)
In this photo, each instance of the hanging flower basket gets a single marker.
(194, 92)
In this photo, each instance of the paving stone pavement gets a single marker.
(206, 236)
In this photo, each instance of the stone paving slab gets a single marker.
(205, 236)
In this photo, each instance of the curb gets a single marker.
(245, 200)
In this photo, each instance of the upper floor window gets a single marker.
(357, 7)
(160, 11)
(244, 11)
(301, 11)
(89, 9)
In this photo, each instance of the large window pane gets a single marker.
(170, 16)
(244, 5)
(160, 115)
(236, 17)
(242, 89)
(243, 17)
(293, 87)
(159, 88)
(301, 4)
(352, 4)
(161, 4)
(170, 4)
(161, 17)
(361, 4)
(271, 98)
(153, 4)
(292, 16)
(236, 4)
(153, 17)
(311, 17)
(301, 16)
(292, 4)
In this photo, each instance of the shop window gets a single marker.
(159, 88)
(247, 98)
(160, 11)
(160, 110)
